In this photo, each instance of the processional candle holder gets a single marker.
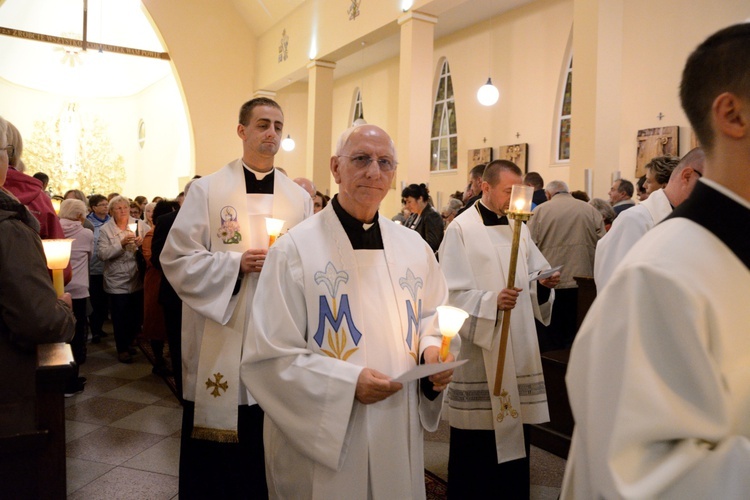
(450, 320)
(58, 257)
(273, 227)
(520, 211)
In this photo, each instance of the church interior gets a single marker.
(153, 88)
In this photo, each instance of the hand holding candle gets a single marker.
(450, 320)
(273, 226)
(58, 256)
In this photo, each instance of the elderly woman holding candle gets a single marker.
(30, 312)
(72, 214)
(119, 240)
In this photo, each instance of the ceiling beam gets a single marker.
(71, 42)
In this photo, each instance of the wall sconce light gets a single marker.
(487, 95)
(288, 143)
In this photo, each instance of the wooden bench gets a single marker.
(555, 435)
(32, 462)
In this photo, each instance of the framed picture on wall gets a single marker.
(517, 153)
(653, 142)
(478, 156)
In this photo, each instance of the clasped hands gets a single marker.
(373, 386)
(131, 239)
(252, 260)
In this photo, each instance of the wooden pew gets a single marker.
(555, 435)
(32, 462)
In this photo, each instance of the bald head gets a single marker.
(307, 185)
(685, 176)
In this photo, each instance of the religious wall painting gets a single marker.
(517, 153)
(653, 142)
(333, 321)
(479, 156)
(412, 284)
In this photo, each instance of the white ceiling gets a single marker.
(44, 66)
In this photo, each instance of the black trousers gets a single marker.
(78, 342)
(99, 304)
(473, 471)
(562, 327)
(224, 470)
(127, 317)
(173, 323)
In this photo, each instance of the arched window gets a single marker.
(443, 151)
(563, 136)
(357, 110)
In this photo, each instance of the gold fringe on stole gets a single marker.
(217, 435)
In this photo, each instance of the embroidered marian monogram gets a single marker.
(229, 232)
(505, 407)
(336, 336)
(413, 310)
(217, 384)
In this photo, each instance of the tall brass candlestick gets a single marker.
(520, 212)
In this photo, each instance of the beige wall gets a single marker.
(212, 50)
(150, 171)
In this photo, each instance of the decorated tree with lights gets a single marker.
(75, 153)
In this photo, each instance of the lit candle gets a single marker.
(450, 320)
(520, 198)
(133, 227)
(56, 202)
(273, 227)
(58, 256)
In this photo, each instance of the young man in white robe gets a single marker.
(660, 391)
(489, 444)
(213, 257)
(349, 302)
(631, 225)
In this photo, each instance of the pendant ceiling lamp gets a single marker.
(487, 95)
(288, 143)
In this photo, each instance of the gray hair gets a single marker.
(117, 200)
(608, 213)
(72, 209)
(555, 187)
(3, 132)
(344, 138)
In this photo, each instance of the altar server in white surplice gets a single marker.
(659, 374)
(213, 257)
(348, 303)
(632, 224)
(489, 444)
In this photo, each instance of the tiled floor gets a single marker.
(122, 432)
(123, 436)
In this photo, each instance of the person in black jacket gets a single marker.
(424, 219)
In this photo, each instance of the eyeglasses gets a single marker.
(699, 174)
(362, 161)
(10, 150)
(102, 205)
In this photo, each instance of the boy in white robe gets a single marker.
(212, 257)
(660, 391)
(489, 443)
(348, 303)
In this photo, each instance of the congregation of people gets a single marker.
(286, 351)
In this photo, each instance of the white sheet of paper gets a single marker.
(422, 371)
(546, 274)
